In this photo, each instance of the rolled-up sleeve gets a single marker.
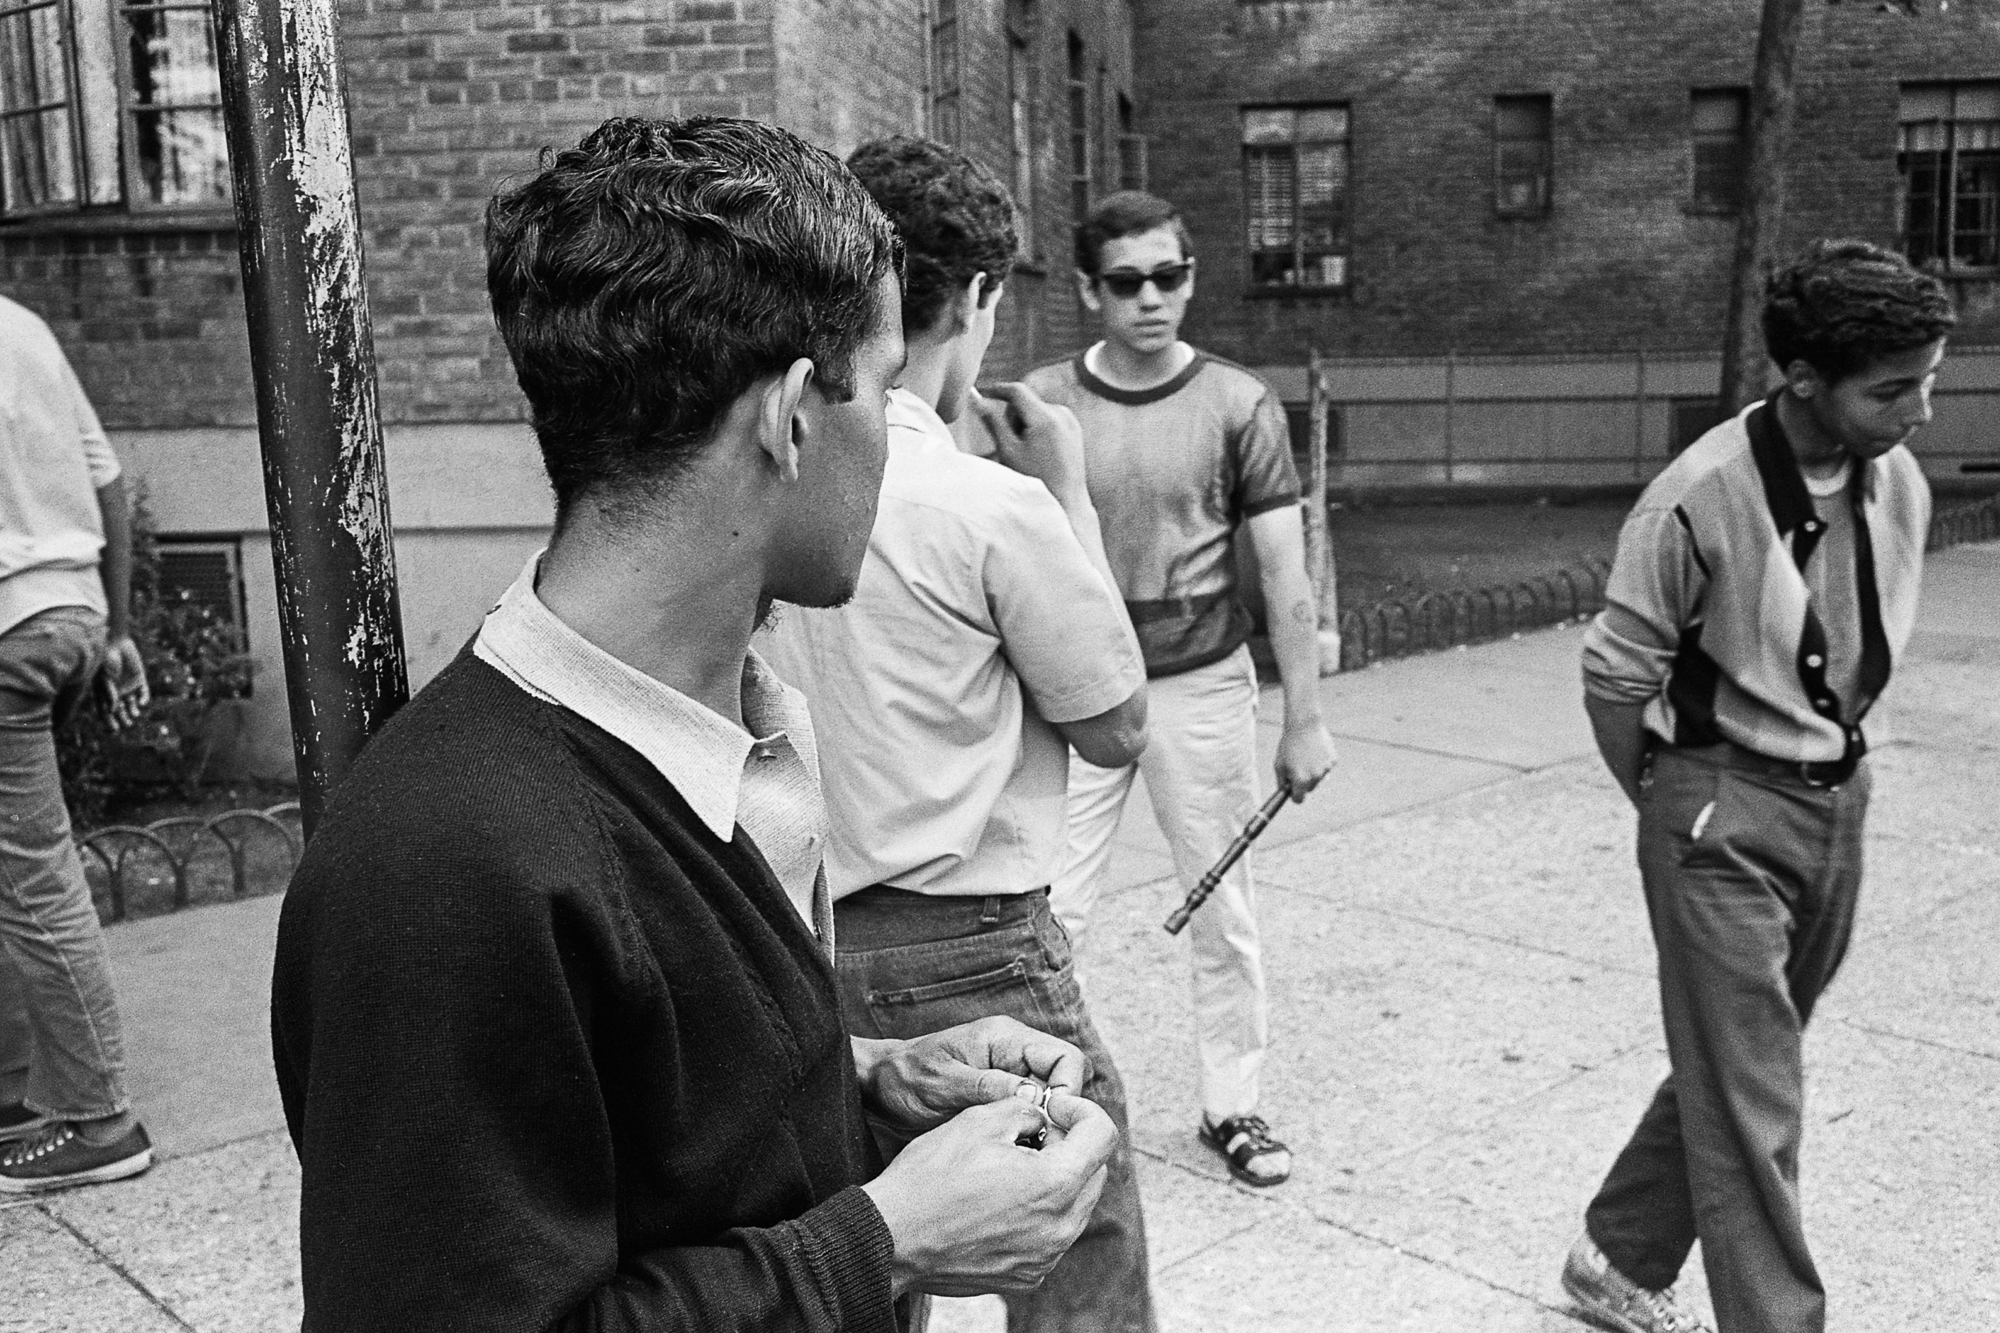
(1064, 631)
(1655, 593)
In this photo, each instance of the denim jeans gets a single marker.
(910, 964)
(1751, 882)
(61, 1050)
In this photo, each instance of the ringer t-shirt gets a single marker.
(1173, 471)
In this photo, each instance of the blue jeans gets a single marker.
(61, 1050)
(911, 964)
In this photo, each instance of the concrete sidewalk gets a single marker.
(1465, 1022)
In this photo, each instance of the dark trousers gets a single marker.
(1751, 881)
(910, 964)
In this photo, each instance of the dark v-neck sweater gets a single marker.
(553, 1056)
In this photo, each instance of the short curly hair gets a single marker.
(1841, 304)
(646, 278)
(955, 217)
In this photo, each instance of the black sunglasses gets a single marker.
(1126, 284)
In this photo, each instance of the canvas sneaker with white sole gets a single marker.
(57, 1157)
(1609, 1299)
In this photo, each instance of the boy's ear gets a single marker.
(1803, 379)
(1086, 290)
(781, 427)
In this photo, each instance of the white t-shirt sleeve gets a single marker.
(98, 455)
(1063, 630)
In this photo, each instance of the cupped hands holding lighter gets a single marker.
(971, 1208)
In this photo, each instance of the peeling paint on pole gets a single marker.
(313, 357)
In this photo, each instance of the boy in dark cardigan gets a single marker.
(553, 1011)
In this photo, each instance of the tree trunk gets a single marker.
(1763, 216)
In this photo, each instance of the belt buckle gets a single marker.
(1806, 767)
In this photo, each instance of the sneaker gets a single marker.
(1609, 1299)
(18, 1122)
(1245, 1142)
(56, 1158)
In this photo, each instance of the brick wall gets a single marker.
(450, 97)
(1618, 261)
(447, 98)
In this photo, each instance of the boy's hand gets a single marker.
(972, 1211)
(1305, 756)
(922, 1083)
(123, 681)
(1036, 438)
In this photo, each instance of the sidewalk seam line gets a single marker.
(1313, 1215)
(116, 1267)
(218, 1147)
(1891, 1034)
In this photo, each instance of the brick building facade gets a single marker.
(1510, 224)
(115, 226)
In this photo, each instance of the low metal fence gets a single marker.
(148, 869)
(1436, 620)
(1977, 521)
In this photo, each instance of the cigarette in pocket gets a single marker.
(1701, 821)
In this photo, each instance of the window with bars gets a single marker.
(1131, 149)
(1021, 118)
(1295, 188)
(1522, 155)
(105, 104)
(1719, 121)
(1950, 162)
(1081, 152)
(947, 72)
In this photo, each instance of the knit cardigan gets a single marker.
(553, 1056)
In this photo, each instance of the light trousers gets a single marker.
(60, 1045)
(1200, 764)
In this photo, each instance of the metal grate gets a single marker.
(209, 573)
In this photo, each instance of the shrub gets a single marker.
(195, 661)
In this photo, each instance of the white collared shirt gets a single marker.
(978, 622)
(765, 778)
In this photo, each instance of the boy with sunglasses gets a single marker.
(1182, 449)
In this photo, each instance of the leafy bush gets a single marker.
(195, 661)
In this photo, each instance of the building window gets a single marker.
(1021, 118)
(1720, 122)
(103, 104)
(1131, 149)
(1950, 161)
(946, 67)
(1295, 186)
(206, 575)
(1080, 154)
(1521, 155)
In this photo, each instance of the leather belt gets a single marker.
(1811, 773)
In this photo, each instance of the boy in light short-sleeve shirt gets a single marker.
(985, 638)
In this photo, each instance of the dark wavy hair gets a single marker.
(646, 278)
(1126, 213)
(1840, 304)
(955, 217)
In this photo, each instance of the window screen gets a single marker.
(1295, 186)
(1521, 155)
(1720, 118)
